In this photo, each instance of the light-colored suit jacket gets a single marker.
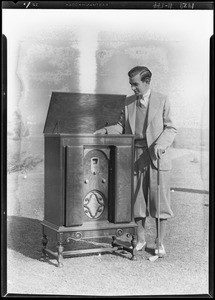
(160, 127)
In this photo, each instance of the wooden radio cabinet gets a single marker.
(88, 178)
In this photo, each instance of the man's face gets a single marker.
(138, 87)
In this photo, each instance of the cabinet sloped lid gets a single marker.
(80, 113)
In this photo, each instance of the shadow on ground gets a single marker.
(24, 235)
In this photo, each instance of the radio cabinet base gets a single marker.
(61, 237)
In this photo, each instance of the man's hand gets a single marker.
(101, 131)
(159, 150)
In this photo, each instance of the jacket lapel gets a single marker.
(154, 105)
(132, 114)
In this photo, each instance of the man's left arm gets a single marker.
(169, 132)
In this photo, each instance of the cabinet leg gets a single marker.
(60, 254)
(134, 244)
(44, 242)
(113, 241)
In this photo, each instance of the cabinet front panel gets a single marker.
(98, 184)
(74, 185)
(123, 184)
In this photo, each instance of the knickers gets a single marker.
(145, 187)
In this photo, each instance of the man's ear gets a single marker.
(147, 80)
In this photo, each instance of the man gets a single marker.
(147, 115)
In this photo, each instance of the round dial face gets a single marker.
(94, 204)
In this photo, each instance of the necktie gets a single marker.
(142, 101)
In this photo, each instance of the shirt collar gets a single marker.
(147, 94)
(144, 99)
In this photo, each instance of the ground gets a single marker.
(184, 270)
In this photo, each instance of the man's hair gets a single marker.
(145, 73)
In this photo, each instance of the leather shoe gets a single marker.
(162, 251)
(140, 246)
